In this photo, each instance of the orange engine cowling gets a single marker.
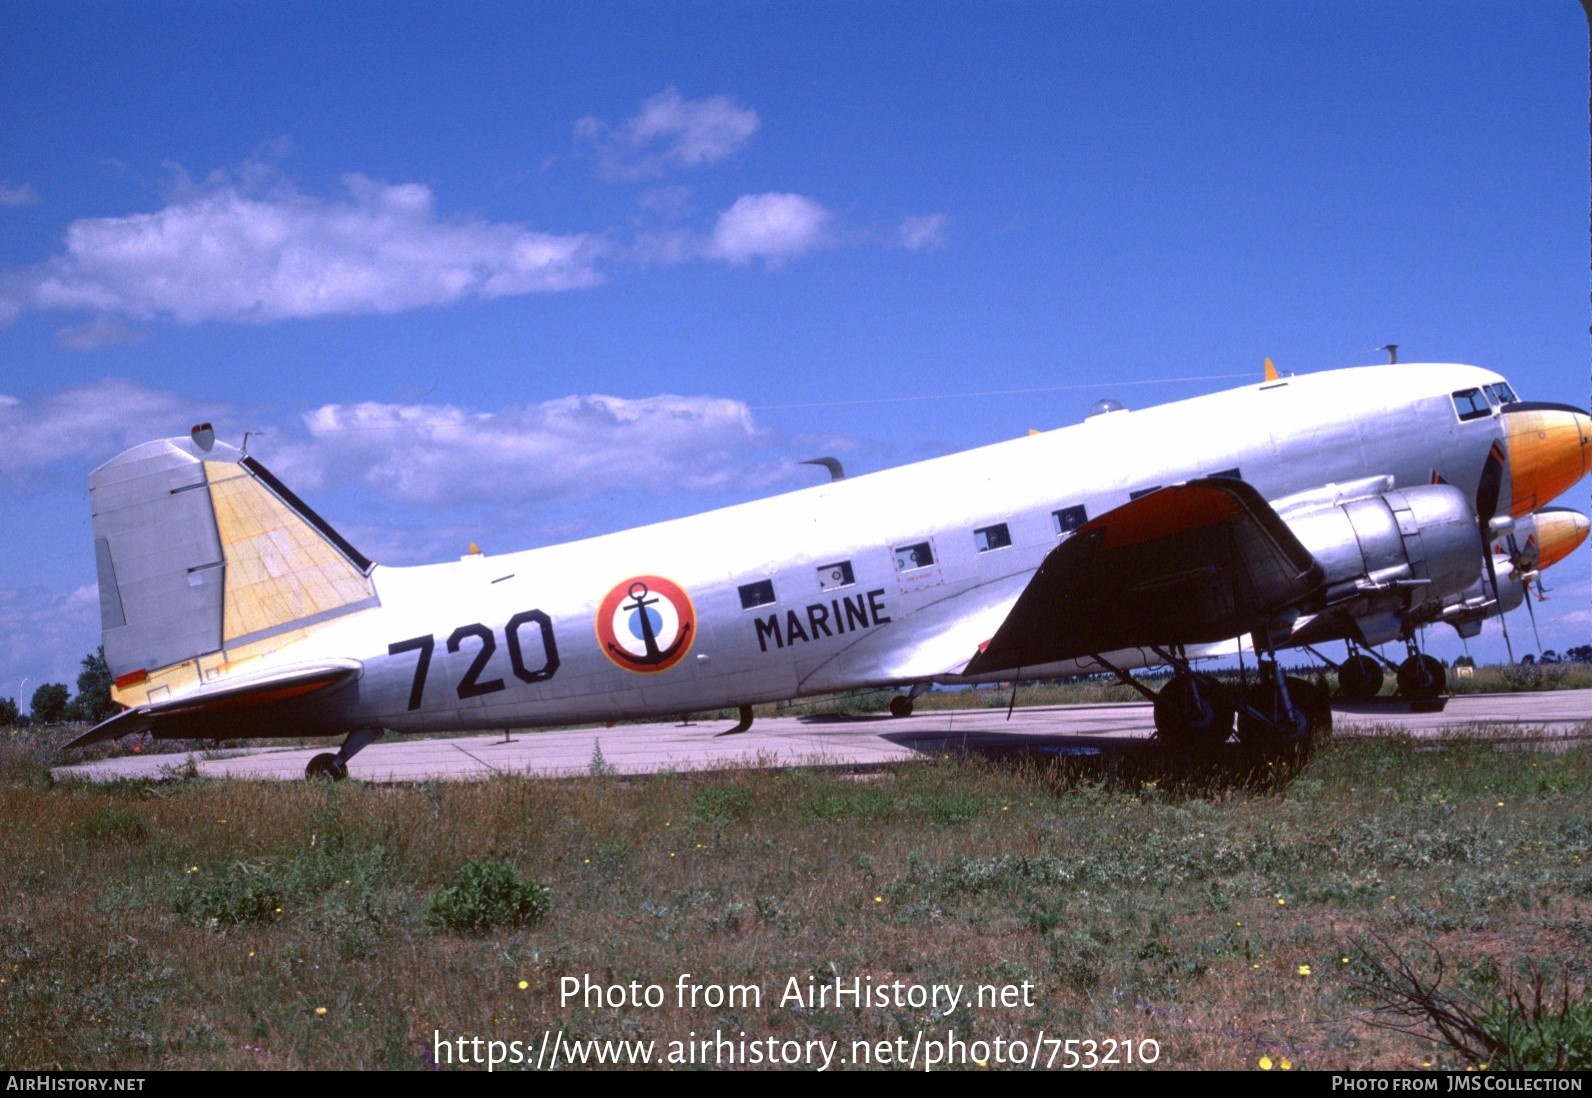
(1550, 449)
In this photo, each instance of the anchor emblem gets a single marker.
(646, 624)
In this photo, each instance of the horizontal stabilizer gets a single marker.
(207, 711)
(1192, 563)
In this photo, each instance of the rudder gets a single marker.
(205, 561)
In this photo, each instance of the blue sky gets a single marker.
(514, 273)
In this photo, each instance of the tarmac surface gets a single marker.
(855, 742)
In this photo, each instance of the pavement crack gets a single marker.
(476, 758)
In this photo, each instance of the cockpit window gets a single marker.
(1471, 404)
(1503, 393)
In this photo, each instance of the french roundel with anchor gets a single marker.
(646, 624)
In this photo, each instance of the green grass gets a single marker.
(200, 924)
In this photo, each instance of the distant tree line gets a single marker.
(1581, 653)
(52, 704)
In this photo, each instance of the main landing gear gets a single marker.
(1283, 715)
(1421, 677)
(1192, 711)
(332, 767)
(1360, 677)
(1279, 716)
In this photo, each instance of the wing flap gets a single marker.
(1192, 563)
(257, 694)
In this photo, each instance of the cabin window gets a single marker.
(757, 594)
(1471, 404)
(909, 557)
(832, 577)
(1069, 519)
(992, 537)
(1230, 474)
(1142, 492)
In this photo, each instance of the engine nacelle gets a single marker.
(1403, 553)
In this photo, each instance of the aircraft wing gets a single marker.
(1192, 563)
(248, 700)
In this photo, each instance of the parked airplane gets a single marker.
(1354, 504)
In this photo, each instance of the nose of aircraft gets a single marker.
(1560, 532)
(1550, 448)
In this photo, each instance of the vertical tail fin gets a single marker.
(206, 560)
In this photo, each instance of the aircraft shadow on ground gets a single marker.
(1068, 761)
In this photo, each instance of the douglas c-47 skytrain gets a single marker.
(1355, 505)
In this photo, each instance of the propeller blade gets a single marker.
(1488, 487)
(1503, 619)
(1532, 613)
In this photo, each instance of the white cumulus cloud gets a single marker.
(570, 448)
(668, 132)
(248, 252)
(770, 227)
(90, 423)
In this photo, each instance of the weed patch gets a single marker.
(1505, 1024)
(487, 896)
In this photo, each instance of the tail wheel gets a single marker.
(1188, 714)
(1422, 678)
(326, 766)
(1360, 678)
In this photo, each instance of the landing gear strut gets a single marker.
(1283, 715)
(1360, 675)
(1279, 716)
(335, 767)
(1421, 677)
(1360, 678)
(1191, 713)
(741, 725)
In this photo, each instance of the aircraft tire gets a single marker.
(1190, 718)
(325, 766)
(1422, 678)
(1311, 723)
(1360, 678)
(901, 706)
